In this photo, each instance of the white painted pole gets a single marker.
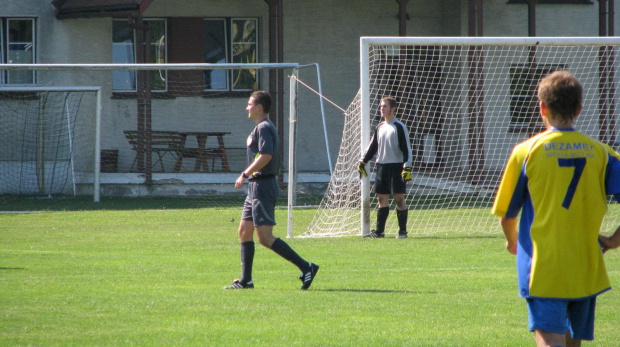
(365, 134)
(292, 167)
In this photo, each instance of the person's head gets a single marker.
(262, 98)
(387, 107)
(560, 95)
(259, 105)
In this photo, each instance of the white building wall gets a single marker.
(325, 32)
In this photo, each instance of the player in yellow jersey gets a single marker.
(559, 180)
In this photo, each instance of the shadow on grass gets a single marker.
(460, 235)
(386, 291)
(14, 203)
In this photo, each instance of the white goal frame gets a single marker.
(97, 130)
(365, 97)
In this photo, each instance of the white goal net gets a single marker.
(466, 103)
(48, 137)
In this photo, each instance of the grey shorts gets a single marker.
(260, 204)
(388, 179)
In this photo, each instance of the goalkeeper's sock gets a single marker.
(285, 251)
(382, 215)
(402, 219)
(247, 260)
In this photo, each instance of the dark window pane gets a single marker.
(244, 50)
(158, 53)
(20, 49)
(123, 53)
(215, 53)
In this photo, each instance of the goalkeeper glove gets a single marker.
(362, 169)
(406, 174)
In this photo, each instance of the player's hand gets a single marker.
(606, 243)
(511, 247)
(406, 174)
(361, 168)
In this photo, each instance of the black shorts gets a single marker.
(260, 204)
(388, 179)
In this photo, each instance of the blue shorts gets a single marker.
(260, 204)
(560, 316)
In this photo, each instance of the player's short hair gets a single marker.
(562, 92)
(389, 100)
(262, 98)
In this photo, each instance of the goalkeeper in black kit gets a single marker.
(391, 144)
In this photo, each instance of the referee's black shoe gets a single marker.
(308, 276)
(238, 285)
(375, 235)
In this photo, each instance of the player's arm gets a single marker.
(509, 227)
(610, 242)
(261, 160)
(405, 147)
(370, 152)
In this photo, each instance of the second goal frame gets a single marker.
(470, 72)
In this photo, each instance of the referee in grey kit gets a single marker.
(391, 144)
(259, 206)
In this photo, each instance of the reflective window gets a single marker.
(216, 52)
(244, 50)
(124, 52)
(241, 46)
(17, 46)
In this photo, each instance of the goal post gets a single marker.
(466, 102)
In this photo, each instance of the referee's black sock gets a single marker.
(382, 215)
(402, 219)
(285, 251)
(247, 260)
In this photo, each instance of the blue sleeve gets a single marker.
(612, 177)
(519, 196)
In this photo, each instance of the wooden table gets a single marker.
(201, 153)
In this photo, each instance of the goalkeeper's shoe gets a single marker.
(402, 235)
(238, 285)
(308, 276)
(375, 235)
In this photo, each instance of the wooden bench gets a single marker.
(162, 144)
(201, 153)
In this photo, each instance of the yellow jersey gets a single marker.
(559, 181)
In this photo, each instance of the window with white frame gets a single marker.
(191, 40)
(240, 46)
(124, 52)
(17, 46)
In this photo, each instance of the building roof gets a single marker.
(99, 8)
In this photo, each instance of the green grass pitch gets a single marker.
(149, 276)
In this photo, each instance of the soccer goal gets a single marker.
(466, 101)
(50, 139)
